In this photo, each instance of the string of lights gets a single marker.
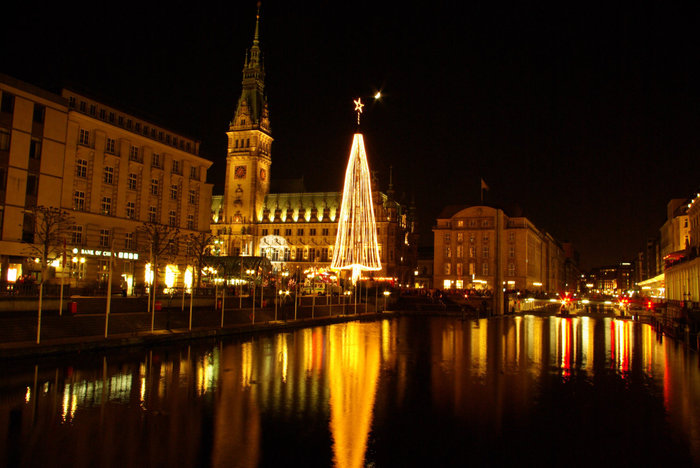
(356, 246)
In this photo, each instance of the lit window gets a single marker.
(106, 206)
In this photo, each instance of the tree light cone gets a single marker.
(356, 246)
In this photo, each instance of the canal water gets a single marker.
(406, 391)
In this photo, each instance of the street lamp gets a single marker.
(386, 294)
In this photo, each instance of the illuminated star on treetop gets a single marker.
(358, 108)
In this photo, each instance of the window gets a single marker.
(190, 221)
(81, 168)
(446, 237)
(4, 139)
(106, 205)
(460, 236)
(312, 255)
(472, 269)
(134, 153)
(120, 121)
(111, 117)
(32, 184)
(109, 175)
(484, 223)
(105, 237)
(300, 232)
(472, 223)
(137, 127)
(83, 106)
(93, 109)
(485, 251)
(460, 223)
(324, 231)
(194, 173)
(129, 241)
(173, 192)
(472, 252)
(276, 232)
(264, 232)
(35, 148)
(193, 197)
(459, 270)
(176, 167)
(172, 218)
(7, 104)
(312, 231)
(132, 181)
(76, 235)
(459, 251)
(128, 124)
(511, 251)
(511, 236)
(485, 269)
(111, 144)
(130, 210)
(84, 137)
(71, 101)
(447, 268)
(152, 214)
(79, 200)
(103, 114)
(39, 112)
(154, 186)
(511, 269)
(3, 180)
(485, 238)
(288, 232)
(155, 162)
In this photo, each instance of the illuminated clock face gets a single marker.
(263, 174)
(240, 172)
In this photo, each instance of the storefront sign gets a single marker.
(106, 253)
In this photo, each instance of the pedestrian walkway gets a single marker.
(83, 332)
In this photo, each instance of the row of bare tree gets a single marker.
(52, 225)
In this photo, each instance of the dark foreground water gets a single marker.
(403, 392)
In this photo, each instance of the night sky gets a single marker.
(585, 117)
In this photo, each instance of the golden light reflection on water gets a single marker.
(233, 394)
(353, 366)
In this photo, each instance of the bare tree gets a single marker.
(198, 247)
(160, 241)
(50, 226)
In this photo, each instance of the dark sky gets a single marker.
(584, 115)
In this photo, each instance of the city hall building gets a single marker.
(294, 228)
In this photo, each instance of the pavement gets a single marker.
(85, 331)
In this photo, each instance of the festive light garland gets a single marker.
(356, 246)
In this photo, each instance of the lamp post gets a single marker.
(386, 294)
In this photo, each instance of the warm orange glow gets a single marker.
(354, 371)
(356, 246)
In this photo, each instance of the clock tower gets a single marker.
(248, 156)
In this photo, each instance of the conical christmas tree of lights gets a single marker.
(356, 246)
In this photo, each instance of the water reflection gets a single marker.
(391, 392)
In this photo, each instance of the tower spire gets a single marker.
(256, 37)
